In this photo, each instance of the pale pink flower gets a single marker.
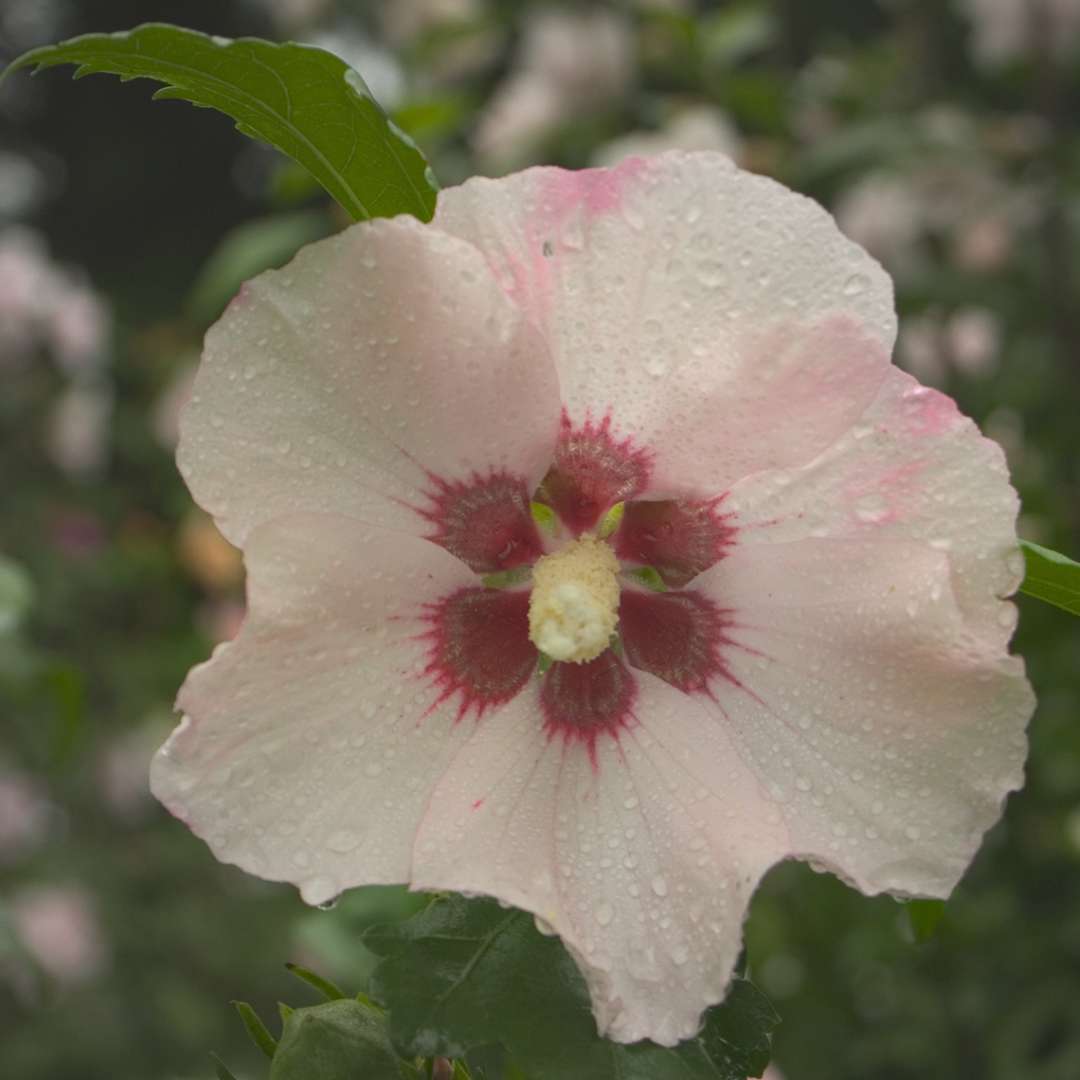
(699, 127)
(77, 436)
(571, 63)
(59, 927)
(1003, 30)
(827, 676)
(24, 813)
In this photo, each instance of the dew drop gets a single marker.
(659, 885)
(604, 914)
(856, 285)
(342, 841)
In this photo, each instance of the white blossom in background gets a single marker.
(956, 198)
(21, 184)
(403, 21)
(77, 432)
(920, 349)
(44, 305)
(469, 38)
(24, 814)
(699, 127)
(293, 16)
(123, 769)
(570, 63)
(378, 67)
(58, 925)
(165, 419)
(1004, 30)
(883, 213)
(933, 345)
(689, 367)
(974, 338)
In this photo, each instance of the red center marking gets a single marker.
(678, 636)
(479, 647)
(592, 471)
(582, 702)
(679, 539)
(484, 521)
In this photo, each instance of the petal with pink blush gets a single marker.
(643, 862)
(912, 468)
(382, 375)
(886, 731)
(721, 319)
(311, 744)
(676, 537)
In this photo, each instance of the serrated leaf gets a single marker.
(260, 1036)
(305, 101)
(339, 1040)
(1051, 576)
(466, 973)
(324, 986)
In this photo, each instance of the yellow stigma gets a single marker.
(574, 607)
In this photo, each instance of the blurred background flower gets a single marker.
(944, 137)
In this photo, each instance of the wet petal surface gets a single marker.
(311, 744)
(383, 375)
(723, 323)
(887, 733)
(642, 861)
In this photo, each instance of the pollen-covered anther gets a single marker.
(574, 607)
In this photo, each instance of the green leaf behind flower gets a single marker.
(465, 973)
(1052, 577)
(306, 102)
(340, 1040)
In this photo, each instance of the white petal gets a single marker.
(721, 320)
(912, 468)
(887, 732)
(311, 744)
(643, 862)
(331, 385)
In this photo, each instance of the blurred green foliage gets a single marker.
(948, 147)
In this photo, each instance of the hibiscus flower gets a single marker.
(599, 559)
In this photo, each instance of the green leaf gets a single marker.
(924, 916)
(467, 973)
(340, 1040)
(324, 986)
(247, 250)
(1051, 576)
(260, 1036)
(221, 1069)
(16, 595)
(306, 102)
